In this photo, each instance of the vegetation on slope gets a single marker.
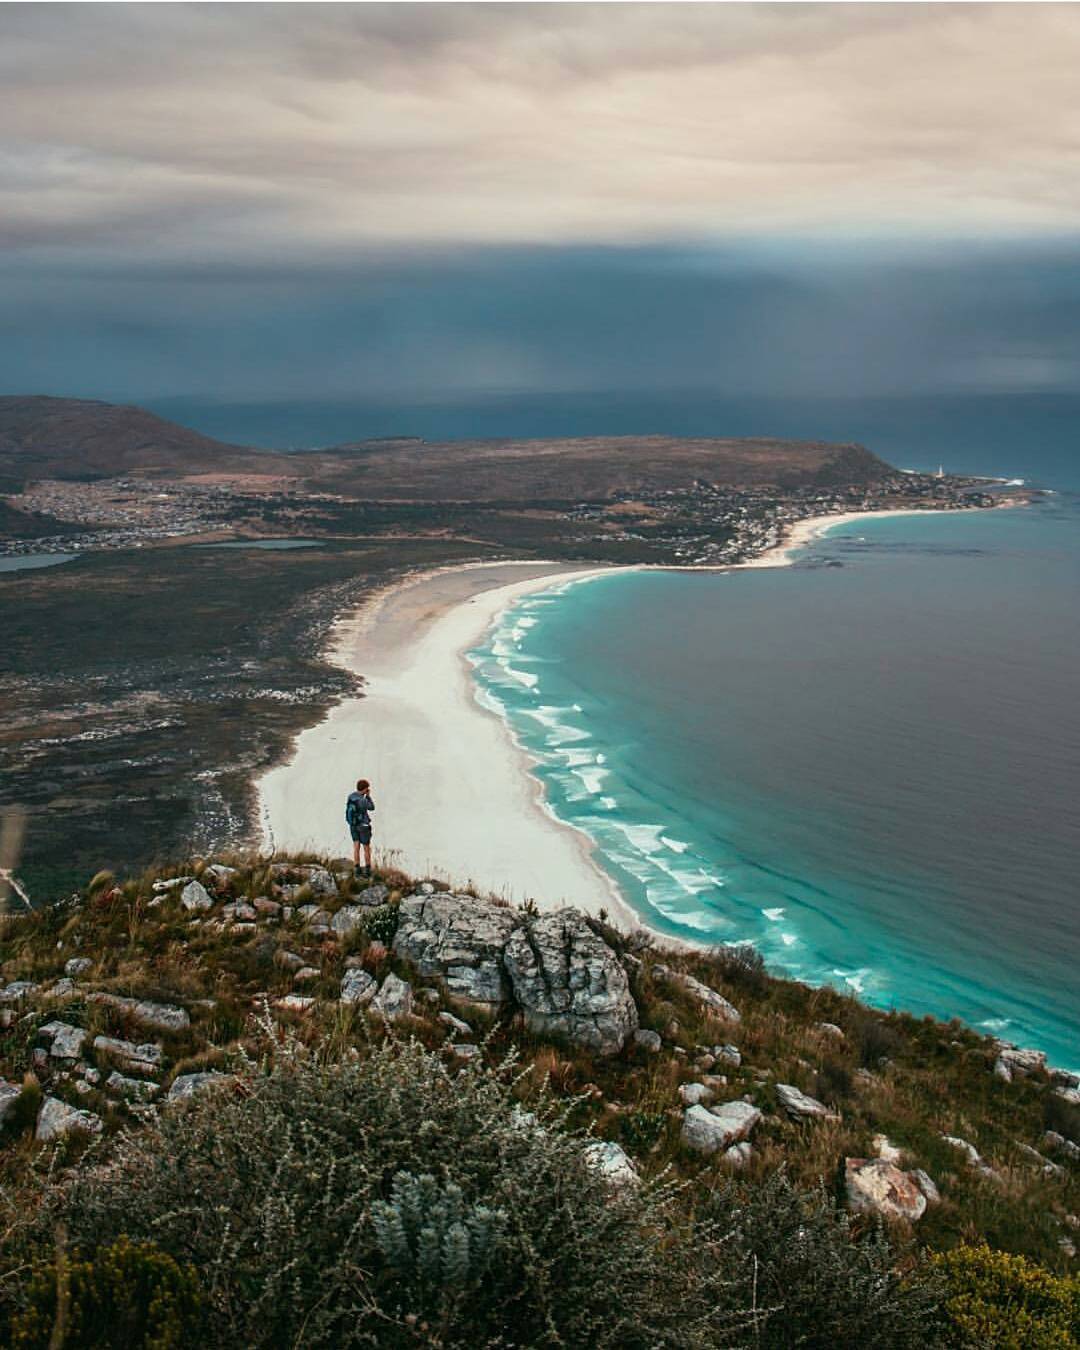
(348, 1181)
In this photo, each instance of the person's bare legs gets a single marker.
(367, 857)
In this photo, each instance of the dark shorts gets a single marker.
(361, 834)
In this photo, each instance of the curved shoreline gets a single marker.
(455, 796)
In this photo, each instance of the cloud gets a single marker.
(235, 131)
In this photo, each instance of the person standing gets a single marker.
(358, 809)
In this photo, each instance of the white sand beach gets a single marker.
(454, 798)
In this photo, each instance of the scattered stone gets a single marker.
(1018, 1062)
(430, 997)
(358, 986)
(195, 897)
(295, 1003)
(307, 973)
(716, 1003)
(612, 1163)
(373, 897)
(709, 1131)
(1057, 1143)
(78, 965)
(188, 1084)
(695, 1094)
(394, 999)
(138, 1088)
(167, 884)
(145, 1059)
(9, 1095)
(347, 920)
(1070, 1095)
(39, 1061)
(648, 1040)
(65, 1042)
(61, 989)
(56, 1118)
(831, 1029)
(263, 905)
(17, 990)
(163, 1016)
(728, 1054)
(715, 1081)
(738, 1155)
(288, 960)
(569, 982)
(460, 941)
(219, 875)
(1002, 1070)
(312, 875)
(874, 1186)
(1048, 1168)
(464, 1053)
(1062, 1078)
(92, 1076)
(455, 1024)
(970, 1152)
(801, 1107)
(7, 1018)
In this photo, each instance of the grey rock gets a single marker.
(9, 1095)
(831, 1029)
(306, 974)
(358, 987)
(17, 990)
(56, 1118)
(710, 1131)
(373, 897)
(61, 989)
(188, 1084)
(463, 1053)
(568, 982)
(716, 1003)
(145, 1058)
(1045, 1166)
(874, 1186)
(168, 884)
(728, 1054)
(264, 905)
(300, 1003)
(196, 897)
(1002, 1070)
(313, 875)
(65, 1042)
(801, 1107)
(455, 1024)
(1070, 1095)
(970, 1152)
(394, 999)
(347, 920)
(926, 1184)
(219, 875)
(648, 1040)
(612, 1163)
(459, 940)
(1019, 1062)
(695, 1094)
(1062, 1078)
(1057, 1143)
(77, 966)
(738, 1155)
(162, 1016)
(289, 960)
(137, 1088)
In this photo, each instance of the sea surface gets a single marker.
(21, 562)
(866, 764)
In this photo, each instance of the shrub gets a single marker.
(389, 1202)
(381, 924)
(818, 1285)
(130, 1296)
(642, 1129)
(997, 1301)
(742, 965)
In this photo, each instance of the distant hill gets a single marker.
(43, 437)
(587, 467)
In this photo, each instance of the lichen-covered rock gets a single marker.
(136, 1088)
(874, 1186)
(144, 1059)
(17, 990)
(709, 1131)
(738, 1155)
(373, 896)
(56, 1118)
(9, 1095)
(77, 966)
(347, 920)
(188, 1084)
(648, 1040)
(612, 1163)
(358, 987)
(65, 1042)
(695, 1094)
(460, 941)
(801, 1107)
(195, 897)
(394, 999)
(570, 983)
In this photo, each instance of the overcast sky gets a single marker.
(247, 201)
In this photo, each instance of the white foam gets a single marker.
(774, 916)
(676, 845)
(788, 939)
(995, 1023)
(608, 803)
(645, 838)
(592, 778)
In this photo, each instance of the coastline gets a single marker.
(454, 796)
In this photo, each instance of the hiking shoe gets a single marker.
(358, 871)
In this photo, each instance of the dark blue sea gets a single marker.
(866, 764)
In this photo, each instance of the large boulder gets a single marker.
(568, 982)
(65, 1042)
(357, 986)
(195, 897)
(459, 940)
(394, 999)
(801, 1107)
(874, 1186)
(612, 1163)
(56, 1118)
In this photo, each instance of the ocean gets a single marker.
(866, 764)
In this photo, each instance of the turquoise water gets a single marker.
(867, 764)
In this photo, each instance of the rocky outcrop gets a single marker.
(195, 897)
(801, 1107)
(874, 1186)
(161, 1016)
(460, 941)
(358, 987)
(65, 1042)
(394, 999)
(716, 1003)
(568, 982)
(188, 1084)
(56, 1118)
(9, 1095)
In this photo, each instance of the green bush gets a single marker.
(818, 1285)
(390, 1202)
(130, 1296)
(381, 924)
(997, 1301)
